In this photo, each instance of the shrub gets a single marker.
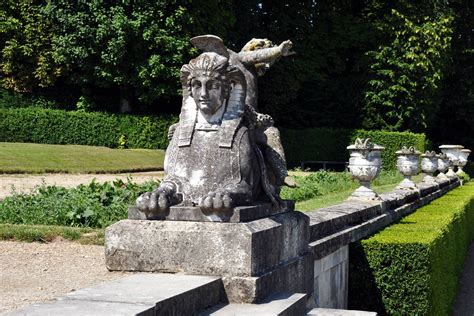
(317, 183)
(469, 169)
(46, 126)
(412, 267)
(92, 205)
(330, 144)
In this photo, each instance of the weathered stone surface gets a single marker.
(331, 277)
(81, 308)
(143, 294)
(237, 249)
(294, 277)
(364, 164)
(338, 312)
(353, 231)
(282, 304)
(222, 153)
(236, 215)
(427, 188)
(325, 221)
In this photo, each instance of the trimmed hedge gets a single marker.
(46, 126)
(330, 144)
(413, 267)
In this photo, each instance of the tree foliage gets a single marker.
(404, 91)
(455, 120)
(394, 65)
(136, 46)
(26, 61)
(323, 81)
(130, 48)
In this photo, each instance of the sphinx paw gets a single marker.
(155, 202)
(216, 200)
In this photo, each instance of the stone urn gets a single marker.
(462, 160)
(365, 163)
(429, 165)
(408, 165)
(443, 164)
(453, 152)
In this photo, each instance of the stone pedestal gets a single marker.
(234, 215)
(254, 259)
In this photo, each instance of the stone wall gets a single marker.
(333, 228)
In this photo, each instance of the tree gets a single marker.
(134, 47)
(130, 50)
(321, 85)
(455, 121)
(404, 91)
(26, 61)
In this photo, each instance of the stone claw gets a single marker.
(227, 201)
(216, 200)
(153, 203)
(163, 201)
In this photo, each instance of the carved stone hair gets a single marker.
(207, 64)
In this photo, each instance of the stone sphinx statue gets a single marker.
(222, 153)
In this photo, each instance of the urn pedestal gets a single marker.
(364, 164)
(408, 166)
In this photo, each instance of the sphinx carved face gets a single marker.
(209, 93)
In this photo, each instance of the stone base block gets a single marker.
(293, 277)
(237, 249)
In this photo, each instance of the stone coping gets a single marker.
(338, 225)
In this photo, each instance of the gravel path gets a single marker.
(34, 272)
(25, 183)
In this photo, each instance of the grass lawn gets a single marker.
(42, 158)
(47, 233)
(333, 198)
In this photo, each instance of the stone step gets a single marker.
(338, 312)
(283, 304)
(137, 294)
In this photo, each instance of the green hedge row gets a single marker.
(413, 267)
(330, 144)
(45, 126)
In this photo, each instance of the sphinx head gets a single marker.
(207, 81)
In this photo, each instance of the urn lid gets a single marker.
(451, 147)
(365, 144)
(408, 151)
(430, 154)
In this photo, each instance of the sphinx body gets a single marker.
(216, 158)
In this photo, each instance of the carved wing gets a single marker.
(210, 43)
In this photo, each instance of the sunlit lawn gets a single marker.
(339, 197)
(41, 158)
